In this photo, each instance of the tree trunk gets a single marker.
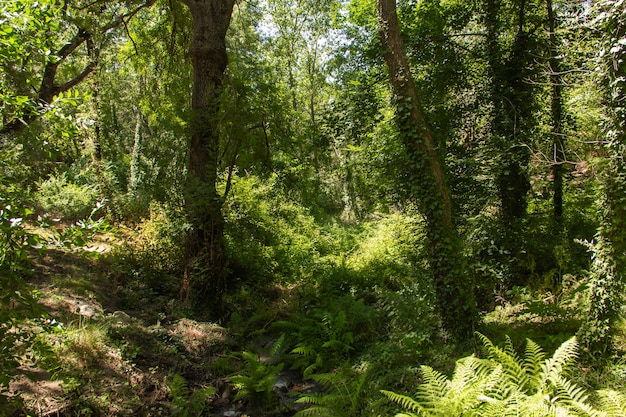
(429, 184)
(609, 266)
(510, 97)
(556, 116)
(205, 258)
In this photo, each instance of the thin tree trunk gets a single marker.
(429, 185)
(205, 257)
(133, 181)
(556, 116)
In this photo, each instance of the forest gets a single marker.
(312, 208)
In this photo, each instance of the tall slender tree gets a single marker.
(205, 257)
(556, 114)
(428, 182)
(509, 46)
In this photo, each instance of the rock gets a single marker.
(120, 317)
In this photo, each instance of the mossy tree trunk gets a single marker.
(205, 257)
(428, 183)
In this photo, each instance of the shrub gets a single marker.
(153, 257)
(185, 402)
(61, 197)
(326, 336)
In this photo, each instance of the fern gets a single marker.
(554, 367)
(435, 384)
(512, 366)
(256, 381)
(344, 391)
(187, 403)
(533, 359)
(504, 384)
(403, 400)
(613, 403)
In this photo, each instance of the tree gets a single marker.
(510, 45)
(428, 182)
(205, 248)
(609, 265)
(54, 50)
(556, 114)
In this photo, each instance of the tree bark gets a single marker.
(429, 184)
(205, 258)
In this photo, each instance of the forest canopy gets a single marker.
(355, 195)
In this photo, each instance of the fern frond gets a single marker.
(315, 411)
(304, 350)
(509, 349)
(613, 403)
(328, 379)
(403, 400)
(570, 392)
(279, 347)
(535, 405)
(533, 360)
(501, 407)
(554, 367)
(250, 358)
(315, 398)
(285, 325)
(434, 387)
(512, 365)
(498, 387)
(321, 399)
(178, 386)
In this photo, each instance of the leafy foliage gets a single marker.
(256, 381)
(609, 268)
(326, 336)
(344, 395)
(18, 301)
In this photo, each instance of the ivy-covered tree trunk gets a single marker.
(205, 257)
(429, 186)
(510, 98)
(609, 264)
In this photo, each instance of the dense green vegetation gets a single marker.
(312, 208)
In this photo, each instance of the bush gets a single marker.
(152, 258)
(388, 255)
(272, 239)
(60, 197)
(326, 336)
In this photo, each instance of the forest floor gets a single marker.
(112, 351)
(115, 351)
